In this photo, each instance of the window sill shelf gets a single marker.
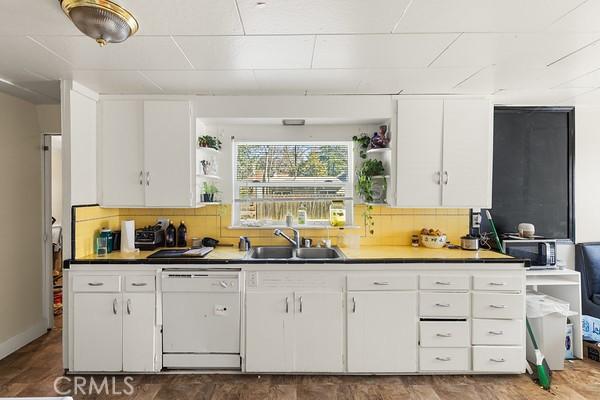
(301, 227)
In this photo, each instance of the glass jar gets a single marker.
(337, 213)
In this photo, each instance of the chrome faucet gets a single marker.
(295, 241)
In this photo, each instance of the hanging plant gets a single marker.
(210, 142)
(362, 142)
(369, 220)
(365, 174)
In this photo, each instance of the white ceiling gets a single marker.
(521, 51)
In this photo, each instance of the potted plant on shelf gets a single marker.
(209, 192)
(368, 191)
(209, 141)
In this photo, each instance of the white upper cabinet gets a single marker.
(467, 158)
(146, 153)
(168, 150)
(444, 149)
(122, 153)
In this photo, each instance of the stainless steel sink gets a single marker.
(317, 253)
(290, 253)
(269, 253)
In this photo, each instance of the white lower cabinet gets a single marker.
(97, 330)
(498, 359)
(382, 331)
(444, 359)
(112, 330)
(294, 332)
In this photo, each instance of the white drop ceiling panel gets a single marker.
(203, 82)
(526, 50)
(186, 17)
(547, 97)
(139, 52)
(413, 80)
(115, 82)
(38, 17)
(321, 16)
(582, 61)
(248, 52)
(589, 80)
(483, 15)
(23, 59)
(309, 80)
(379, 51)
(585, 18)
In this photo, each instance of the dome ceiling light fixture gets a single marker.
(103, 20)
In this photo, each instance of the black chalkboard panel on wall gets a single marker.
(533, 170)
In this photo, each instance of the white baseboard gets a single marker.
(16, 342)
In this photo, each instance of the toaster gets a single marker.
(150, 237)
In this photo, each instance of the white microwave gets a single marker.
(541, 253)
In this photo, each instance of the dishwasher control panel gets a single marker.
(200, 281)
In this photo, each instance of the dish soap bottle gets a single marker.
(170, 235)
(302, 215)
(181, 234)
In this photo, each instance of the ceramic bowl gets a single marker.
(433, 242)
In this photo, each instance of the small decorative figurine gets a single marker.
(380, 139)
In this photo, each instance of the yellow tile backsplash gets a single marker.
(393, 226)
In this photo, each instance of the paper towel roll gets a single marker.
(128, 236)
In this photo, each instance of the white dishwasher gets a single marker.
(201, 319)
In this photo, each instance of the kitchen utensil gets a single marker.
(526, 230)
(244, 244)
(469, 242)
(433, 242)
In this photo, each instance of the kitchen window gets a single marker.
(273, 180)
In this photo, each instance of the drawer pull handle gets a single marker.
(95, 283)
(354, 304)
(497, 333)
(138, 284)
(497, 283)
(115, 303)
(445, 305)
(497, 306)
(443, 334)
(301, 305)
(497, 360)
(129, 308)
(287, 305)
(445, 283)
(381, 283)
(443, 358)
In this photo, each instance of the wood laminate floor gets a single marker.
(32, 371)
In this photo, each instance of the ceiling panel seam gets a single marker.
(573, 52)
(182, 52)
(567, 13)
(147, 78)
(445, 49)
(402, 16)
(237, 7)
(471, 76)
(49, 50)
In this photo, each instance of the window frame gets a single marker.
(348, 187)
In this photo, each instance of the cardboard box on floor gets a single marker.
(591, 350)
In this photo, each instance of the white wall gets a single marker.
(48, 118)
(587, 174)
(78, 127)
(21, 314)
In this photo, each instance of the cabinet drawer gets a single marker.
(498, 359)
(498, 305)
(444, 359)
(140, 283)
(97, 283)
(440, 304)
(498, 282)
(498, 331)
(444, 334)
(444, 282)
(382, 282)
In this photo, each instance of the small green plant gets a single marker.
(362, 143)
(369, 220)
(365, 174)
(209, 141)
(209, 190)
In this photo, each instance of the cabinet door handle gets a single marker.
(446, 177)
(439, 178)
(445, 283)
(443, 358)
(497, 360)
(496, 333)
(129, 308)
(301, 305)
(443, 334)
(287, 305)
(147, 178)
(497, 283)
(139, 284)
(141, 177)
(497, 306)
(95, 284)
(354, 304)
(442, 305)
(381, 283)
(115, 303)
